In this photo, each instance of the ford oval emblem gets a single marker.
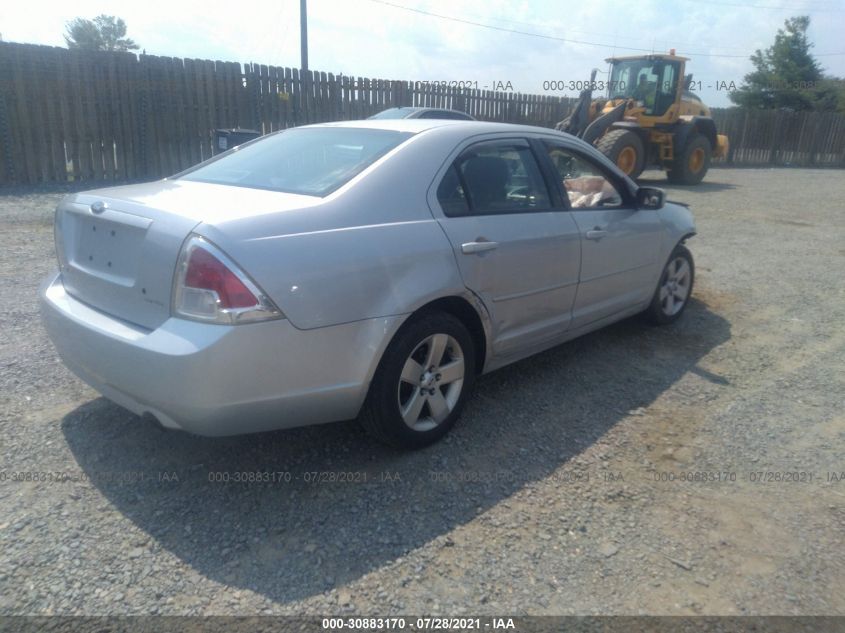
(98, 207)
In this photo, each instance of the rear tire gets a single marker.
(625, 149)
(690, 167)
(674, 288)
(421, 383)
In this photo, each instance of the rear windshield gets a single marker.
(310, 161)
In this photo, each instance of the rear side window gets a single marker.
(310, 161)
(451, 194)
(494, 178)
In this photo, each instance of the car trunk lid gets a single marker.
(118, 247)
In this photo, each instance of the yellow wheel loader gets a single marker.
(649, 118)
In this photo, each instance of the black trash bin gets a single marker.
(227, 139)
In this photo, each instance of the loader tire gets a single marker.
(691, 164)
(625, 149)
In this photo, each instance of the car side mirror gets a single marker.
(650, 198)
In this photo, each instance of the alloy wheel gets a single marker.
(431, 382)
(674, 291)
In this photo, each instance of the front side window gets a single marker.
(494, 178)
(585, 184)
(309, 161)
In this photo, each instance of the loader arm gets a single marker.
(577, 122)
(598, 127)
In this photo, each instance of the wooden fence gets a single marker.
(774, 137)
(74, 115)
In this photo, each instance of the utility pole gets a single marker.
(303, 32)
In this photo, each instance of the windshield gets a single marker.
(651, 82)
(310, 161)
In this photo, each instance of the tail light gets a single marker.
(58, 239)
(211, 287)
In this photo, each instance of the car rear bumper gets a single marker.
(213, 379)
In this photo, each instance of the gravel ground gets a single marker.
(561, 491)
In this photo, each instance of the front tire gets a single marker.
(674, 288)
(625, 149)
(421, 383)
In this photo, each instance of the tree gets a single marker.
(103, 33)
(830, 96)
(785, 75)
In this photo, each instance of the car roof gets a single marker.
(462, 130)
(459, 126)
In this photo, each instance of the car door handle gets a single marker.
(596, 234)
(468, 248)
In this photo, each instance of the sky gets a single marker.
(379, 39)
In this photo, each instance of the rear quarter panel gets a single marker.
(370, 249)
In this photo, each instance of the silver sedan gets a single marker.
(366, 269)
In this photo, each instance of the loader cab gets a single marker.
(652, 82)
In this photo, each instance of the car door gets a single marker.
(517, 248)
(620, 245)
